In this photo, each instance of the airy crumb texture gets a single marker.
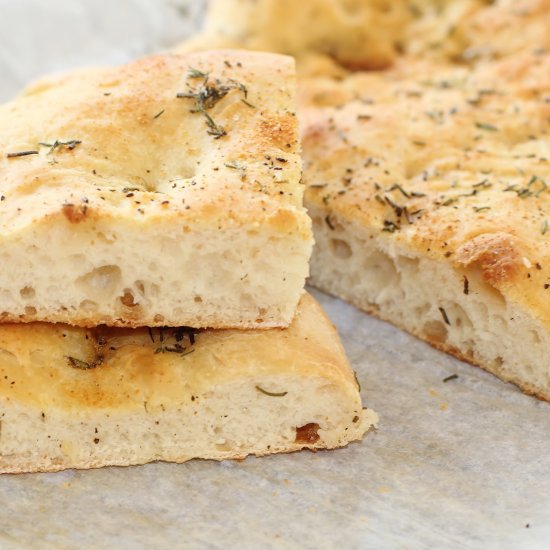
(428, 186)
(163, 192)
(131, 396)
(328, 35)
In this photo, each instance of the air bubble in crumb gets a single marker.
(341, 249)
(128, 298)
(27, 292)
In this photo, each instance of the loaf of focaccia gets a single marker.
(429, 190)
(161, 193)
(328, 35)
(84, 398)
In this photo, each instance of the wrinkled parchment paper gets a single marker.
(457, 464)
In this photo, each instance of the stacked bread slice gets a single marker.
(426, 147)
(154, 249)
(165, 192)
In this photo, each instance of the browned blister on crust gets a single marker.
(497, 255)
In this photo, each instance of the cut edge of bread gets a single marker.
(454, 310)
(99, 440)
(213, 279)
(131, 396)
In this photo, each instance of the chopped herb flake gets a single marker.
(21, 154)
(357, 381)
(248, 104)
(487, 127)
(207, 95)
(444, 315)
(328, 221)
(79, 364)
(400, 189)
(196, 73)
(271, 394)
(70, 145)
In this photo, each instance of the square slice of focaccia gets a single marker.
(429, 187)
(163, 192)
(118, 396)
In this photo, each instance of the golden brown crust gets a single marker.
(492, 31)
(75, 213)
(448, 162)
(116, 368)
(121, 140)
(359, 35)
(497, 255)
(355, 33)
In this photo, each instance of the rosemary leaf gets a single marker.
(487, 127)
(444, 315)
(79, 364)
(196, 73)
(271, 394)
(21, 154)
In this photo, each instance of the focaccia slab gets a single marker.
(332, 36)
(84, 398)
(163, 192)
(429, 190)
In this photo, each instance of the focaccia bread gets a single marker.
(357, 33)
(328, 35)
(471, 31)
(429, 190)
(129, 396)
(163, 192)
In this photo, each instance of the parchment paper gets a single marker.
(461, 464)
